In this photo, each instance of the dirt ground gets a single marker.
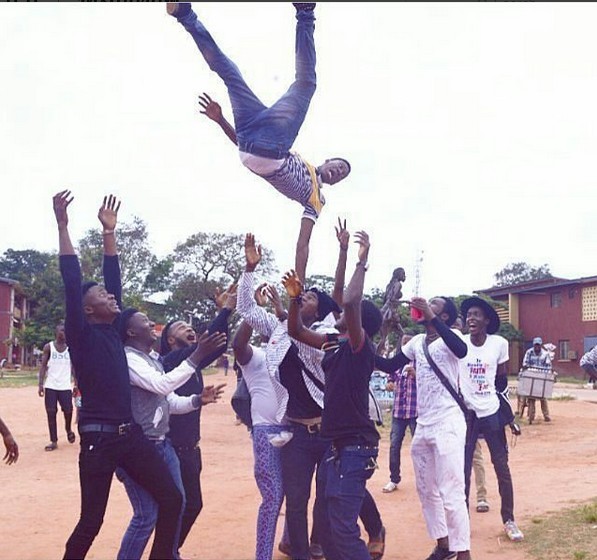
(553, 467)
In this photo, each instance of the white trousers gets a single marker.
(437, 452)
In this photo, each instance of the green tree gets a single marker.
(204, 262)
(137, 260)
(518, 272)
(39, 280)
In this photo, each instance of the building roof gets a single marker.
(535, 286)
(8, 281)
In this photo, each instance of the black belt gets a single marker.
(120, 429)
(338, 448)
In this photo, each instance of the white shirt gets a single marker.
(434, 402)
(264, 404)
(268, 325)
(58, 375)
(477, 373)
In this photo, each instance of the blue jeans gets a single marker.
(343, 478)
(264, 131)
(145, 508)
(101, 454)
(397, 434)
(495, 437)
(300, 457)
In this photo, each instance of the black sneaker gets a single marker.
(441, 554)
(304, 6)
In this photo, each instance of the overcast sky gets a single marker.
(471, 130)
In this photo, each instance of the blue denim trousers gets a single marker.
(343, 479)
(300, 458)
(264, 131)
(145, 508)
(397, 434)
(495, 437)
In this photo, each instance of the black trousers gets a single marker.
(495, 437)
(51, 399)
(100, 454)
(190, 472)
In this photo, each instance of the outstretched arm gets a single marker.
(354, 293)
(213, 110)
(302, 248)
(108, 217)
(296, 328)
(343, 238)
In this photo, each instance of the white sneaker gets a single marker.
(389, 487)
(513, 532)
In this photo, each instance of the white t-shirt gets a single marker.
(434, 402)
(58, 376)
(264, 404)
(477, 373)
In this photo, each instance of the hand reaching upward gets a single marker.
(292, 283)
(108, 212)
(61, 202)
(252, 253)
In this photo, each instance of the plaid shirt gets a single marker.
(405, 395)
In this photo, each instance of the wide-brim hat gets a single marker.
(494, 320)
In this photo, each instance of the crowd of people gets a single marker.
(307, 367)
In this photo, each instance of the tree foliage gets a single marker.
(518, 272)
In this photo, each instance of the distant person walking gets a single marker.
(55, 385)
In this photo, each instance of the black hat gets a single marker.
(325, 304)
(123, 321)
(488, 310)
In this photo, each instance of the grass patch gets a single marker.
(27, 377)
(570, 534)
(563, 397)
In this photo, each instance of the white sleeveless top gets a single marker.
(59, 370)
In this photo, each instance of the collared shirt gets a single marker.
(292, 176)
(541, 360)
(405, 395)
(268, 325)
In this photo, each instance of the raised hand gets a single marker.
(261, 294)
(362, 239)
(342, 234)
(292, 283)
(211, 394)
(108, 212)
(423, 306)
(226, 298)
(60, 202)
(210, 108)
(252, 252)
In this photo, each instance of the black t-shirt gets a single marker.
(345, 418)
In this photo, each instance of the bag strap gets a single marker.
(444, 380)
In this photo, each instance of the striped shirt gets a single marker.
(268, 325)
(295, 179)
(405, 395)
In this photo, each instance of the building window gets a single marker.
(589, 303)
(563, 349)
(556, 299)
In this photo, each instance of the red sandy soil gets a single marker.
(40, 493)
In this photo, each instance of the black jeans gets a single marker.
(100, 454)
(190, 472)
(495, 436)
(300, 458)
(51, 399)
